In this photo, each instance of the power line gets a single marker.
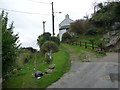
(38, 2)
(22, 11)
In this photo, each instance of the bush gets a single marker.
(47, 34)
(79, 27)
(49, 46)
(66, 37)
(56, 40)
(30, 49)
(43, 38)
(23, 57)
(91, 31)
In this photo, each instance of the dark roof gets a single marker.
(64, 27)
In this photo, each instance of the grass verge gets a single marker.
(82, 52)
(25, 79)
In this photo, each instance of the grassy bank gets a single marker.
(82, 52)
(88, 38)
(25, 79)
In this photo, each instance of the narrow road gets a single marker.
(99, 73)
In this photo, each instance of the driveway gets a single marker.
(99, 73)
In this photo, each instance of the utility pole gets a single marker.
(44, 26)
(53, 19)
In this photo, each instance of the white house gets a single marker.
(64, 26)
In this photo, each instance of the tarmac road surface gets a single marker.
(101, 74)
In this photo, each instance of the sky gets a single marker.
(30, 26)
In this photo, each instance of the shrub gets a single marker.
(66, 37)
(91, 31)
(56, 40)
(30, 49)
(43, 38)
(47, 34)
(23, 57)
(79, 26)
(49, 46)
(9, 44)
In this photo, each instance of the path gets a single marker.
(100, 73)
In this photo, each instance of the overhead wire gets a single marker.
(38, 2)
(25, 11)
(22, 11)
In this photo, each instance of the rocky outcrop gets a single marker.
(113, 39)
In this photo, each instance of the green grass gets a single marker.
(81, 51)
(62, 63)
(87, 38)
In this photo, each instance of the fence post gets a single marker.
(92, 45)
(101, 47)
(85, 44)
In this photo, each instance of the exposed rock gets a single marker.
(107, 37)
(48, 70)
(52, 66)
(114, 39)
(97, 50)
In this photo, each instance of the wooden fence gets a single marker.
(93, 45)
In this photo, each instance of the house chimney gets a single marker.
(67, 16)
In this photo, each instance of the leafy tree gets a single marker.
(100, 5)
(117, 11)
(9, 44)
(106, 16)
(79, 26)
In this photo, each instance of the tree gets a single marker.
(79, 26)
(100, 5)
(9, 44)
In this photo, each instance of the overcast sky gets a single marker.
(29, 26)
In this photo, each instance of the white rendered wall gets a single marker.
(61, 32)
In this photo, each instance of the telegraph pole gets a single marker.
(44, 26)
(53, 19)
